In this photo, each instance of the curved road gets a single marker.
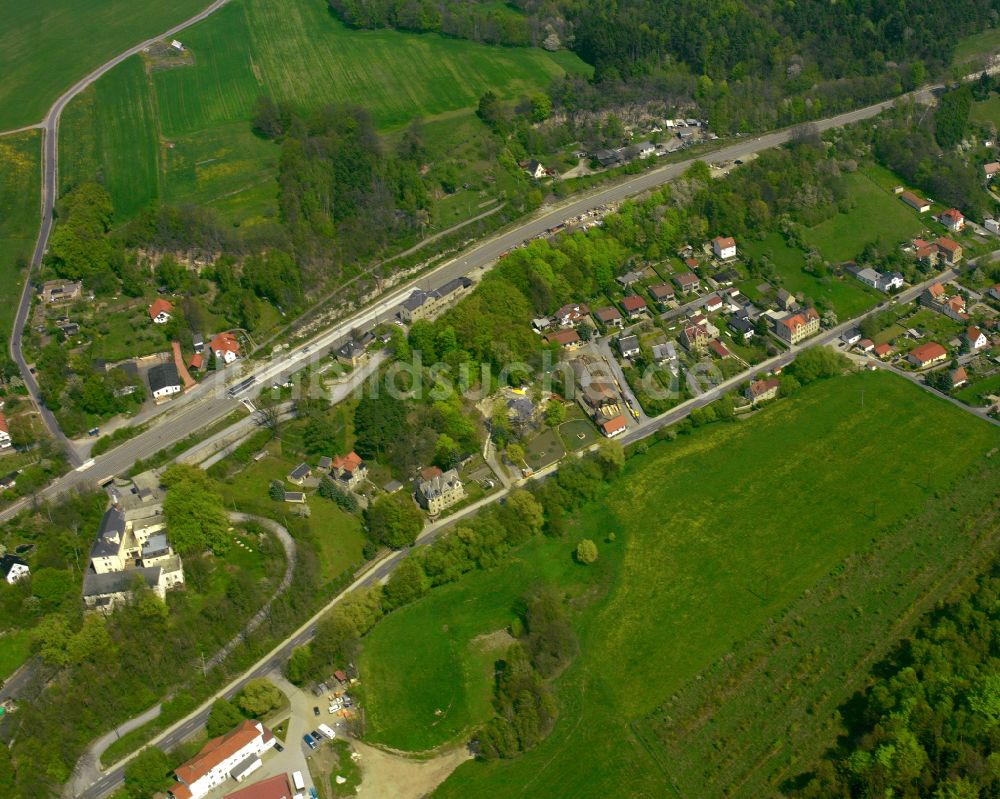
(50, 171)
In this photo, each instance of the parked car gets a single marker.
(309, 741)
(315, 711)
(278, 747)
(317, 736)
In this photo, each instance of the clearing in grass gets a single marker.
(20, 187)
(708, 561)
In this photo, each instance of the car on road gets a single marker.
(309, 741)
(315, 711)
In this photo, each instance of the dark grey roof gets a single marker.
(9, 479)
(163, 375)
(392, 485)
(300, 471)
(155, 546)
(109, 534)
(452, 286)
(740, 324)
(628, 343)
(438, 484)
(415, 300)
(8, 562)
(95, 585)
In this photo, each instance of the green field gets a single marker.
(977, 44)
(847, 295)
(878, 216)
(708, 561)
(975, 394)
(15, 647)
(20, 188)
(986, 111)
(294, 50)
(45, 47)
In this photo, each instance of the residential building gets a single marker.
(662, 292)
(719, 350)
(299, 474)
(276, 787)
(225, 346)
(975, 339)
(713, 303)
(918, 204)
(785, 300)
(882, 351)
(762, 390)
(927, 355)
(952, 219)
(724, 247)
(741, 326)
(296, 497)
(351, 353)
(628, 346)
(349, 471)
(950, 252)
(687, 281)
(991, 224)
(851, 336)
(197, 342)
(628, 279)
(878, 280)
(12, 569)
(694, 339)
(990, 170)
(609, 317)
(937, 299)
(5, 439)
(229, 755)
(9, 480)
(195, 362)
(427, 304)
(540, 324)
(663, 353)
(440, 491)
(61, 290)
(634, 305)
(535, 169)
(159, 311)
(994, 292)
(866, 345)
(614, 426)
(567, 339)
(571, 314)
(164, 381)
(959, 377)
(797, 327)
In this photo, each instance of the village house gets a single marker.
(866, 345)
(915, 202)
(609, 317)
(5, 440)
(295, 497)
(614, 426)
(959, 377)
(12, 569)
(233, 755)
(628, 346)
(197, 342)
(351, 353)
(882, 281)
(9, 480)
(664, 353)
(299, 474)
(937, 299)
(724, 247)
(694, 339)
(687, 281)
(427, 304)
(927, 355)
(975, 339)
(439, 490)
(741, 326)
(225, 346)
(762, 390)
(540, 323)
(164, 381)
(571, 314)
(713, 303)
(662, 293)
(882, 351)
(276, 787)
(851, 336)
(634, 305)
(159, 311)
(195, 362)
(535, 169)
(628, 279)
(719, 349)
(567, 339)
(952, 219)
(990, 170)
(349, 470)
(797, 327)
(54, 291)
(785, 300)
(950, 252)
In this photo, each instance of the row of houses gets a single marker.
(235, 755)
(427, 304)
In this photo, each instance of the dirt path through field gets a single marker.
(386, 774)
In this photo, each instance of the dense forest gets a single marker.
(746, 65)
(928, 723)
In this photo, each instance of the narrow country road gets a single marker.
(50, 174)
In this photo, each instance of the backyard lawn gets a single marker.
(15, 647)
(20, 184)
(706, 563)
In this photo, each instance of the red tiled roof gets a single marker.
(912, 199)
(972, 333)
(936, 290)
(224, 342)
(882, 350)
(159, 305)
(430, 472)
(691, 263)
(3, 424)
(714, 299)
(661, 290)
(719, 348)
(216, 751)
(724, 241)
(348, 462)
(195, 361)
(944, 243)
(928, 352)
(953, 214)
(633, 302)
(272, 788)
(958, 375)
(758, 387)
(866, 343)
(180, 791)
(562, 337)
(614, 425)
(607, 314)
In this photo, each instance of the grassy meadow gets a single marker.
(184, 131)
(847, 295)
(45, 47)
(20, 190)
(717, 533)
(877, 216)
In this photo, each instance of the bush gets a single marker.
(586, 551)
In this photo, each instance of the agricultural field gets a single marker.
(877, 216)
(716, 560)
(20, 188)
(15, 649)
(46, 47)
(196, 145)
(847, 295)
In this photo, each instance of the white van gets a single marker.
(298, 781)
(327, 731)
